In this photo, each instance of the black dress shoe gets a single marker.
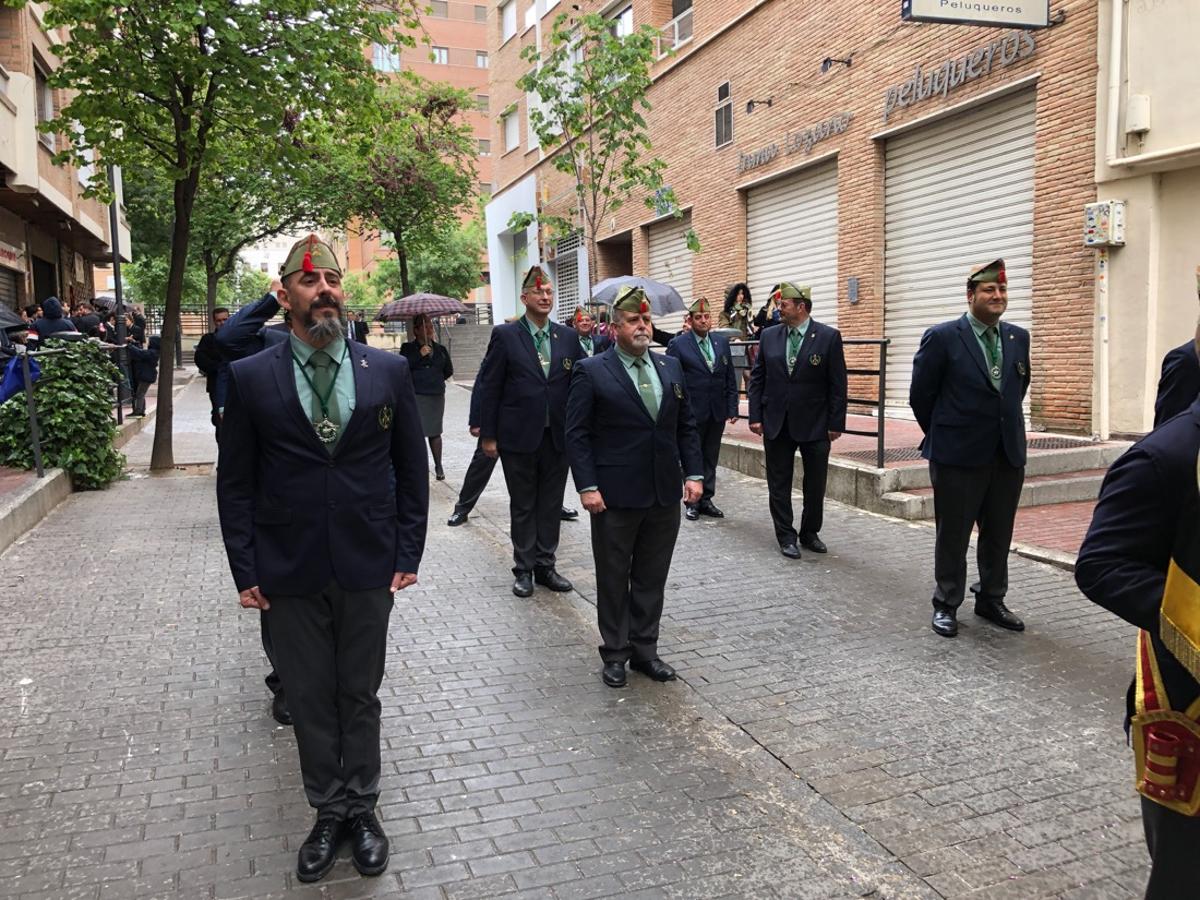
(691, 513)
(551, 579)
(653, 668)
(319, 849)
(568, 514)
(368, 844)
(813, 543)
(791, 551)
(944, 622)
(523, 584)
(996, 611)
(614, 674)
(279, 710)
(708, 508)
(458, 518)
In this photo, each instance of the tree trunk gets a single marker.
(162, 455)
(402, 258)
(212, 279)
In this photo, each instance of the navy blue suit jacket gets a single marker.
(713, 392)
(293, 516)
(245, 333)
(1180, 383)
(636, 462)
(965, 419)
(1149, 498)
(813, 398)
(514, 394)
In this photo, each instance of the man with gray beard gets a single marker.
(323, 495)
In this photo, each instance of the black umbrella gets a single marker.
(9, 320)
(663, 298)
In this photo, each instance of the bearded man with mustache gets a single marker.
(323, 496)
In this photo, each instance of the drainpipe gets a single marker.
(1102, 272)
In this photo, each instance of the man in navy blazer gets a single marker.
(969, 378)
(1145, 520)
(322, 492)
(522, 385)
(631, 439)
(593, 344)
(1179, 384)
(712, 394)
(798, 402)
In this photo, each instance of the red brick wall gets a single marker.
(776, 51)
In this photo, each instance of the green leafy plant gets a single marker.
(74, 417)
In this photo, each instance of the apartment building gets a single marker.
(50, 235)
(839, 145)
(457, 54)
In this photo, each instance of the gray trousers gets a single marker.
(535, 495)
(965, 496)
(1173, 841)
(632, 549)
(329, 650)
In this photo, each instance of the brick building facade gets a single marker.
(891, 156)
(50, 235)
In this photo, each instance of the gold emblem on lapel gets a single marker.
(385, 418)
(678, 391)
(815, 359)
(1021, 367)
(567, 363)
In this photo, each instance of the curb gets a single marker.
(1057, 558)
(31, 504)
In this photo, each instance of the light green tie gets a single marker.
(539, 343)
(992, 339)
(645, 388)
(706, 349)
(324, 375)
(793, 348)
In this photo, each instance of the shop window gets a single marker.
(724, 115)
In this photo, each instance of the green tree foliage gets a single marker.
(169, 84)
(74, 416)
(451, 266)
(410, 172)
(590, 121)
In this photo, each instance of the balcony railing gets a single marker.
(675, 33)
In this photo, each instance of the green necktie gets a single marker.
(706, 349)
(793, 348)
(324, 401)
(539, 343)
(993, 344)
(645, 388)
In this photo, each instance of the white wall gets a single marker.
(505, 270)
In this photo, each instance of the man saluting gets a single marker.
(323, 494)
(630, 432)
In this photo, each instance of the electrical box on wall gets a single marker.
(1104, 224)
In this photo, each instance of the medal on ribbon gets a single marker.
(327, 431)
(815, 359)
(385, 418)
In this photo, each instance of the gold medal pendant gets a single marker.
(327, 432)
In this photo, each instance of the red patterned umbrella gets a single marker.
(419, 305)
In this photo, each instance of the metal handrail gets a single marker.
(880, 372)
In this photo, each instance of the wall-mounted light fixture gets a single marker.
(753, 103)
(828, 62)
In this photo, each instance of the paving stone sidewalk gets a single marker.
(821, 742)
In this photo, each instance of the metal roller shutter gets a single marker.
(792, 234)
(670, 260)
(957, 192)
(8, 288)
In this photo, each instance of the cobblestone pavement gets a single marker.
(821, 742)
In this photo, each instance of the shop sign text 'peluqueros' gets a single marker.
(1012, 13)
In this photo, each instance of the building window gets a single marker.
(724, 115)
(512, 131)
(678, 31)
(531, 16)
(485, 188)
(385, 59)
(440, 55)
(439, 9)
(485, 147)
(481, 59)
(45, 103)
(480, 13)
(482, 103)
(508, 20)
(622, 22)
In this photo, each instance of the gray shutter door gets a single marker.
(958, 192)
(792, 235)
(670, 260)
(566, 277)
(8, 288)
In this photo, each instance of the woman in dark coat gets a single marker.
(145, 371)
(431, 369)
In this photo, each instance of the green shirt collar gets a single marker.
(803, 329)
(628, 361)
(701, 340)
(978, 327)
(304, 351)
(533, 332)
